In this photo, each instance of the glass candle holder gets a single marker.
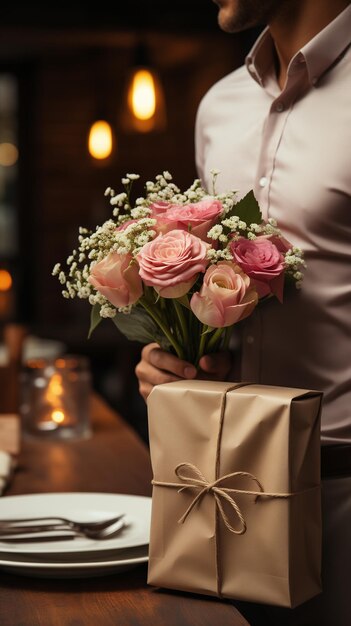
(55, 398)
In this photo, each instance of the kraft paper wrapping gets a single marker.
(272, 433)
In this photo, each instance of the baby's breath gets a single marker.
(215, 232)
(270, 229)
(214, 256)
(109, 192)
(223, 238)
(107, 310)
(126, 310)
(119, 199)
(231, 222)
(133, 225)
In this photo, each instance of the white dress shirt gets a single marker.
(293, 147)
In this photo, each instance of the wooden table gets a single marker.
(113, 460)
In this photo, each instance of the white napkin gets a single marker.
(7, 464)
(34, 348)
(9, 447)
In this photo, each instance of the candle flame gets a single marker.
(58, 416)
(55, 389)
(54, 396)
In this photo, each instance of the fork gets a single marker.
(22, 534)
(94, 530)
(99, 525)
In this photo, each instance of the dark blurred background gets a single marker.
(62, 67)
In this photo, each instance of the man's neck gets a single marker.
(297, 24)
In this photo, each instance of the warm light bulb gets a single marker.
(8, 154)
(5, 280)
(100, 140)
(143, 95)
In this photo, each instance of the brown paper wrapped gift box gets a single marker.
(236, 506)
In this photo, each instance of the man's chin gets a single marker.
(235, 16)
(228, 20)
(225, 18)
(230, 25)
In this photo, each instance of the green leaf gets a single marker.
(95, 318)
(184, 301)
(247, 210)
(139, 326)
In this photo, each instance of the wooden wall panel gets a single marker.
(68, 185)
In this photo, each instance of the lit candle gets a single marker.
(55, 398)
(54, 413)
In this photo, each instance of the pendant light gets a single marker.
(101, 140)
(145, 103)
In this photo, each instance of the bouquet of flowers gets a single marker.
(180, 268)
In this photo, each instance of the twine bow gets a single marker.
(196, 480)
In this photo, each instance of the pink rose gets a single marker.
(117, 278)
(158, 208)
(281, 243)
(198, 217)
(263, 262)
(159, 213)
(171, 262)
(225, 297)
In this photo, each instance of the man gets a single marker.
(282, 126)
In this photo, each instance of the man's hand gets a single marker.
(216, 366)
(157, 367)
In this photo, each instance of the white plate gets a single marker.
(75, 570)
(79, 507)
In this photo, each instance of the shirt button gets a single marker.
(250, 339)
(263, 181)
(314, 80)
(279, 107)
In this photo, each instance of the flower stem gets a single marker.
(212, 344)
(182, 322)
(178, 349)
(227, 336)
(202, 345)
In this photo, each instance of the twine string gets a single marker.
(216, 488)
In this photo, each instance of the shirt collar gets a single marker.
(319, 54)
